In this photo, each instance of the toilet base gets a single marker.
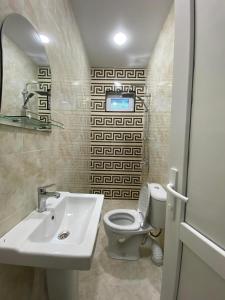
(128, 247)
(123, 247)
(113, 255)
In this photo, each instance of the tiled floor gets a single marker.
(115, 279)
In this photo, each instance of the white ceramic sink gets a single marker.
(34, 241)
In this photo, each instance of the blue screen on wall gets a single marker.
(120, 104)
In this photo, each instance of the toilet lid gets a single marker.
(144, 200)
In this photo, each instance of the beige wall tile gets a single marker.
(159, 84)
(29, 159)
(11, 140)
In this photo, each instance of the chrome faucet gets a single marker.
(27, 95)
(43, 195)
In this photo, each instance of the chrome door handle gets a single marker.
(170, 188)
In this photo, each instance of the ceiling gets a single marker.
(140, 20)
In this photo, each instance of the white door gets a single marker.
(194, 266)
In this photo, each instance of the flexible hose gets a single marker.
(157, 254)
(157, 234)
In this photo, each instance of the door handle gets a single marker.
(170, 189)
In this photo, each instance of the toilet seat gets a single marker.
(123, 219)
(130, 220)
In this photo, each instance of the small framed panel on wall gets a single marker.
(120, 101)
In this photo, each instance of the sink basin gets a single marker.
(63, 237)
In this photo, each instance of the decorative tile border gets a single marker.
(116, 139)
(117, 192)
(117, 165)
(44, 79)
(116, 136)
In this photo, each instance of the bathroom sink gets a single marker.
(63, 237)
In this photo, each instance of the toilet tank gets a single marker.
(157, 210)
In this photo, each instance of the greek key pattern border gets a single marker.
(116, 138)
(123, 166)
(110, 73)
(119, 193)
(44, 80)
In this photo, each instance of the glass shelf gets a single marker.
(29, 122)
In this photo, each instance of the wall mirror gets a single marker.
(26, 76)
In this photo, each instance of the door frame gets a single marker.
(179, 141)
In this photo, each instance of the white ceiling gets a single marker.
(140, 20)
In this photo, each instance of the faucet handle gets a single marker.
(42, 189)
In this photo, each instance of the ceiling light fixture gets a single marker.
(44, 39)
(120, 38)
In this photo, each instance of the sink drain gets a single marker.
(63, 235)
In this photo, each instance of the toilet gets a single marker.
(126, 228)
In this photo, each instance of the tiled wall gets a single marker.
(159, 84)
(116, 138)
(29, 159)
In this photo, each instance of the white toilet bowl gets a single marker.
(126, 228)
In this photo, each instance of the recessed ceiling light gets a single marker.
(120, 38)
(44, 39)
